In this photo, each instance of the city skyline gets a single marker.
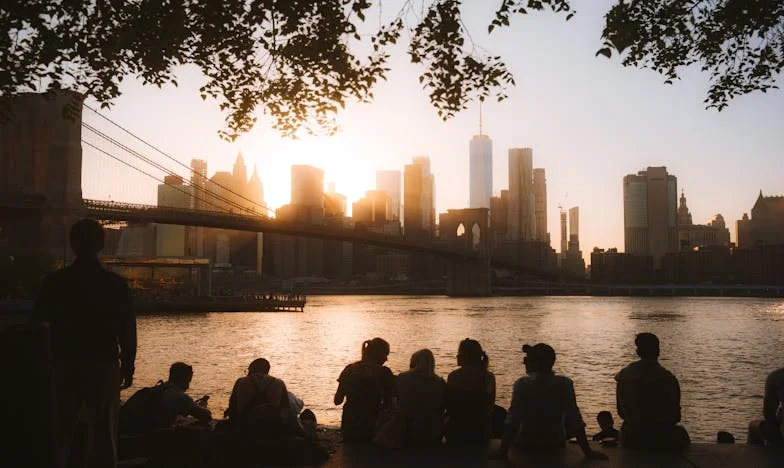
(588, 130)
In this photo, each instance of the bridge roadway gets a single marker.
(117, 211)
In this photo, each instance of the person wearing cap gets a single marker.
(544, 412)
(770, 431)
(648, 399)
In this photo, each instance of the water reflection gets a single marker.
(711, 344)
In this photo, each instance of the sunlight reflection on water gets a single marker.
(710, 344)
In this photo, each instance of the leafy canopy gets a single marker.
(300, 61)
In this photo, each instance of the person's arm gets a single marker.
(126, 336)
(512, 422)
(576, 426)
(342, 390)
(199, 412)
(770, 403)
(490, 389)
(389, 397)
(677, 396)
(619, 398)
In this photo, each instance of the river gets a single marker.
(721, 349)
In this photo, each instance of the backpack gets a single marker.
(144, 411)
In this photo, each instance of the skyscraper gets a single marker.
(480, 174)
(650, 214)
(170, 239)
(564, 237)
(574, 229)
(521, 220)
(390, 182)
(199, 183)
(307, 186)
(540, 206)
(418, 207)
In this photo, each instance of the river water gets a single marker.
(721, 349)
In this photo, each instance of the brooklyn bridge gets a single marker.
(41, 150)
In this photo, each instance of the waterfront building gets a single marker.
(650, 213)
(766, 225)
(700, 235)
(564, 234)
(499, 211)
(418, 202)
(573, 261)
(170, 239)
(609, 267)
(391, 183)
(373, 210)
(521, 220)
(480, 154)
(540, 205)
(334, 203)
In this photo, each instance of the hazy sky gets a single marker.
(589, 121)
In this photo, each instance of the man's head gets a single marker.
(647, 346)
(605, 420)
(259, 366)
(86, 238)
(539, 358)
(180, 374)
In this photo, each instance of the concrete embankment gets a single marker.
(698, 455)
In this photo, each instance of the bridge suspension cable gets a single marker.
(264, 207)
(142, 171)
(196, 188)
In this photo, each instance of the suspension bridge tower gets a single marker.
(41, 171)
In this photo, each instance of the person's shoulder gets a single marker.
(113, 278)
(776, 378)
(627, 371)
(563, 379)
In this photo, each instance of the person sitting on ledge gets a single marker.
(544, 412)
(469, 397)
(367, 386)
(176, 403)
(648, 399)
(770, 431)
(606, 423)
(420, 396)
(260, 405)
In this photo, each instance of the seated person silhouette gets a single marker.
(724, 437)
(176, 403)
(770, 431)
(469, 397)
(367, 387)
(259, 404)
(544, 410)
(420, 397)
(648, 400)
(606, 423)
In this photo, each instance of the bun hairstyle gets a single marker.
(375, 350)
(470, 353)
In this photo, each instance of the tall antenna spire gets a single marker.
(480, 118)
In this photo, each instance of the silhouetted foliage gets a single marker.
(302, 60)
(739, 43)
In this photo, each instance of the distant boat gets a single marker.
(246, 303)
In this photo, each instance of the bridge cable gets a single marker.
(166, 170)
(262, 205)
(144, 172)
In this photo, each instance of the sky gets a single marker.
(589, 120)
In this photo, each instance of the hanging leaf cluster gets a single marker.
(738, 43)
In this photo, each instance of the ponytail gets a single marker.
(365, 345)
(485, 360)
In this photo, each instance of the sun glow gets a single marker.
(342, 161)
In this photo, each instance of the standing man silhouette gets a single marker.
(93, 342)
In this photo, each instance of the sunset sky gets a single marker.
(589, 121)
